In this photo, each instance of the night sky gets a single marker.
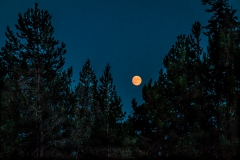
(133, 36)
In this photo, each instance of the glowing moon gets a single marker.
(136, 80)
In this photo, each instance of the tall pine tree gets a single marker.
(174, 119)
(223, 60)
(40, 97)
(108, 121)
(85, 109)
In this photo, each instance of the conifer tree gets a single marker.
(173, 110)
(108, 121)
(40, 95)
(84, 111)
(194, 104)
(188, 95)
(223, 61)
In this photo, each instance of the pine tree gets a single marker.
(86, 103)
(41, 89)
(223, 61)
(150, 121)
(174, 110)
(108, 121)
(193, 107)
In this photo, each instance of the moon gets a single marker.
(136, 80)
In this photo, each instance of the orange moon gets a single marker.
(136, 80)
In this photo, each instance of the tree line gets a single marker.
(192, 110)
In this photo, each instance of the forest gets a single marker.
(191, 111)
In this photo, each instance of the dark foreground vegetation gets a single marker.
(191, 111)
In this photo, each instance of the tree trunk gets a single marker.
(41, 119)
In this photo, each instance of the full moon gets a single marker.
(136, 80)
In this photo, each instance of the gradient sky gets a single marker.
(133, 36)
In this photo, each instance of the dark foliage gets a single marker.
(191, 111)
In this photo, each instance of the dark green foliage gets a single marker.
(191, 111)
(223, 61)
(85, 110)
(108, 116)
(37, 88)
(6, 121)
(166, 118)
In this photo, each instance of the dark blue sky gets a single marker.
(133, 36)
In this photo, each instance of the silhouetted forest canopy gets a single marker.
(191, 111)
